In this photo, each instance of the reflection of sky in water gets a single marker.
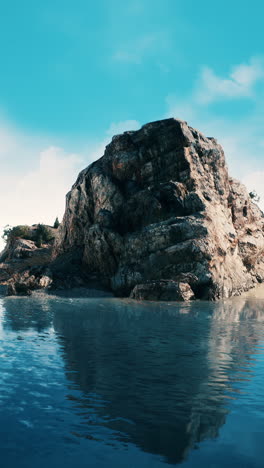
(109, 383)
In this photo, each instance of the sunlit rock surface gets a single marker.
(158, 206)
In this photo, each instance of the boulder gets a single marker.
(158, 210)
(163, 290)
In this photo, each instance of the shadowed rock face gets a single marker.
(158, 206)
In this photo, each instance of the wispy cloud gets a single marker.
(239, 84)
(134, 51)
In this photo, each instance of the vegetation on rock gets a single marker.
(40, 234)
(22, 232)
(254, 196)
(56, 223)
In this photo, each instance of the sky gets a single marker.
(73, 74)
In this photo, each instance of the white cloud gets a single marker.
(247, 75)
(18, 148)
(40, 191)
(239, 84)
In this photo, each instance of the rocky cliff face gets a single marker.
(158, 217)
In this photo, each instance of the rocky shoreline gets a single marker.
(157, 217)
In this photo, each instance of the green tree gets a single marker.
(11, 233)
(6, 232)
(56, 223)
(254, 196)
(43, 234)
(39, 241)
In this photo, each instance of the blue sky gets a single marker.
(74, 73)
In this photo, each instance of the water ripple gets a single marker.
(115, 383)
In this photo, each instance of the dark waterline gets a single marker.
(110, 383)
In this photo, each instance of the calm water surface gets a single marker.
(107, 383)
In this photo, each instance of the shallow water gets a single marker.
(107, 383)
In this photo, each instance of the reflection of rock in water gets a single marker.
(157, 375)
(24, 314)
(159, 369)
(234, 335)
(241, 337)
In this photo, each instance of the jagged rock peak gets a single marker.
(159, 206)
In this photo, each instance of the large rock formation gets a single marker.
(158, 217)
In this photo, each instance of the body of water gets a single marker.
(109, 383)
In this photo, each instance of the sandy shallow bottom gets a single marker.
(257, 292)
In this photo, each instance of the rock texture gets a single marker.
(160, 206)
(24, 266)
(163, 290)
(157, 217)
(23, 283)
